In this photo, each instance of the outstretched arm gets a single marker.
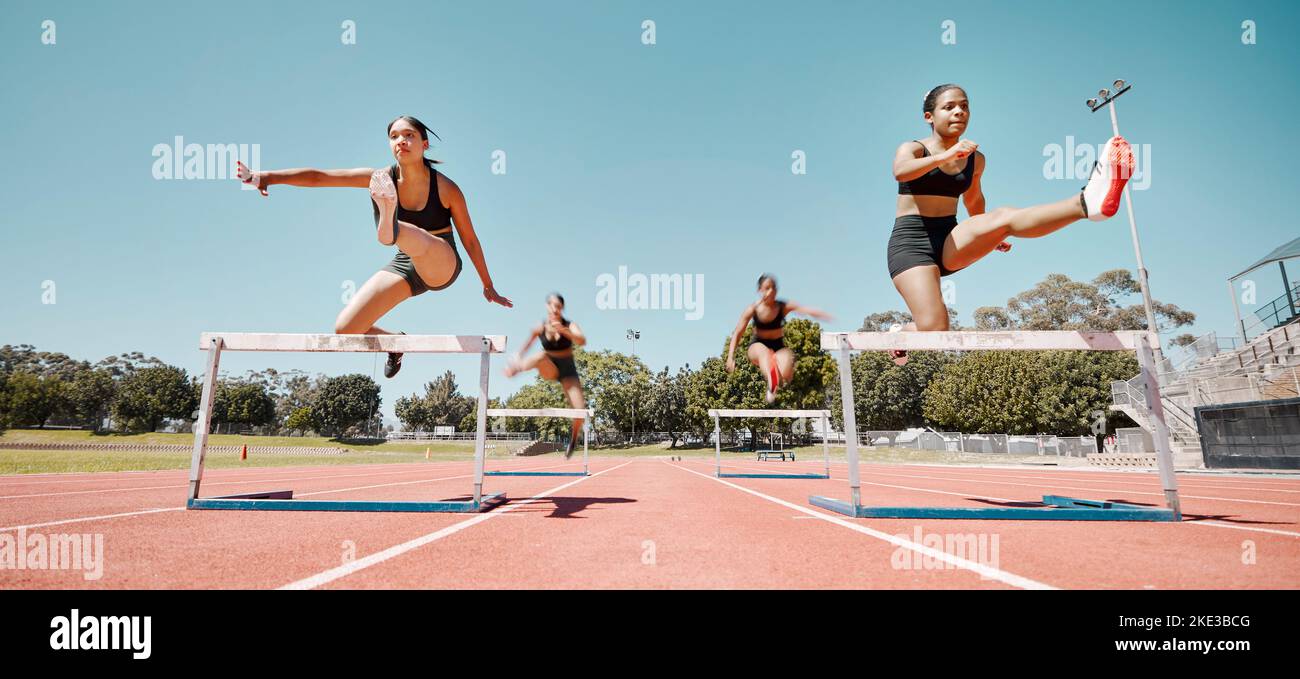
(454, 201)
(358, 177)
(735, 336)
(793, 308)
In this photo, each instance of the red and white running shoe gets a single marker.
(1106, 186)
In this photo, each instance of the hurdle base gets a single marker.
(283, 501)
(1058, 508)
(756, 475)
(536, 474)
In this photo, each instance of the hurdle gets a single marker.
(217, 342)
(718, 414)
(571, 413)
(1054, 507)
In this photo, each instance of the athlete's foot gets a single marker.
(773, 383)
(899, 355)
(394, 363)
(512, 367)
(1101, 196)
(568, 453)
(384, 194)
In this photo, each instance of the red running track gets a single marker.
(650, 523)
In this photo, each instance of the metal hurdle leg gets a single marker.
(826, 446)
(850, 422)
(480, 438)
(586, 424)
(1164, 456)
(717, 447)
(204, 421)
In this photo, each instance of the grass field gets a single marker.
(20, 461)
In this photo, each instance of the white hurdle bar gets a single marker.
(216, 342)
(1140, 342)
(572, 413)
(718, 413)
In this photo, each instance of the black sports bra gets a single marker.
(776, 322)
(936, 182)
(557, 345)
(434, 217)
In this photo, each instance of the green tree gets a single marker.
(613, 383)
(539, 394)
(91, 394)
(469, 423)
(33, 400)
(343, 403)
(299, 420)
(888, 397)
(1111, 301)
(148, 395)
(243, 403)
(441, 405)
(666, 405)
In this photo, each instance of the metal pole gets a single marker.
(850, 422)
(1241, 325)
(1160, 433)
(205, 416)
(1137, 249)
(826, 446)
(585, 469)
(480, 438)
(717, 446)
(1286, 285)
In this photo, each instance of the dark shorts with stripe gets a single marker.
(404, 267)
(918, 241)
(775, 343)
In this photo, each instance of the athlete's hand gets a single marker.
(249, 177)
(490, 293)
(961, 149)
(731, 364)
(1003, 247)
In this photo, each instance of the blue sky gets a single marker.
(666, 158)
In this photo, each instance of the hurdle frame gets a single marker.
(1054, 507)
(718, 413)
(217, 342)
(572, 413)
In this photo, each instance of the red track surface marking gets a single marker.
(377, 558)
(703, 532)
(1096, 554)
(701, 536)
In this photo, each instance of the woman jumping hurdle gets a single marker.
(427, 258)
(768, 351)
(927, 243)
(555, 361)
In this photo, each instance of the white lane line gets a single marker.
(227, 483)
(987, 572)
(174, 509)
(93, 518)
(1217, 524)
(326, 577)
